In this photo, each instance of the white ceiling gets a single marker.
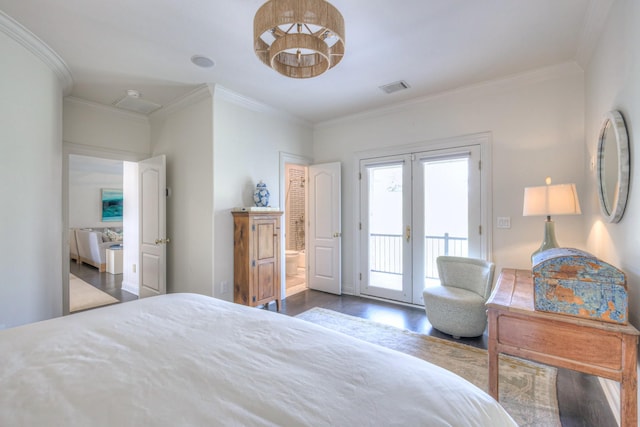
(434, 45)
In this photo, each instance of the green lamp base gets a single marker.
(549, 241)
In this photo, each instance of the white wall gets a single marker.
(30, 187)
(183, 132)
(536, 122)
(86, 181)
(131, 238)
(95, 125)
(612, 83)
(248, 139)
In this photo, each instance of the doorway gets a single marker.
(100, 154)
(414, 207)
(295, 228)
(96, 230)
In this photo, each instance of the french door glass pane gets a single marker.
(446, 212)
(385, 226)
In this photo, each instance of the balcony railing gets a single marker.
(386, 252)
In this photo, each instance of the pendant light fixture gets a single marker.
(299, 38)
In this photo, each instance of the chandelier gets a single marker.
(299, 38)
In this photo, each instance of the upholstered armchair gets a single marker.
(457, 306)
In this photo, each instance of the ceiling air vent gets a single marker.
(395, 87)
(133, 102)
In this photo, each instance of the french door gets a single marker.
(414, 208)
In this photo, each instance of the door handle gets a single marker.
(337, 234)
(408, 233)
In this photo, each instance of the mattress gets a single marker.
(192, 360)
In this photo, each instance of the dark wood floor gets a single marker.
(581, 400)
(106, 282)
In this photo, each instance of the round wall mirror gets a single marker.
(613, 166)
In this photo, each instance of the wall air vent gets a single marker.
(133, 102)
(395, 87)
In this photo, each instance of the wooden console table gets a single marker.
(598, 348)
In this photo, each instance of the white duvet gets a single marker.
(191, 360)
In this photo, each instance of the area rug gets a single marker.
(83, 296)
(527, 389)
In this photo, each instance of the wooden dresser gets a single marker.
(256, 258)
(594, 347)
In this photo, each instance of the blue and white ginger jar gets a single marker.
(261, 195)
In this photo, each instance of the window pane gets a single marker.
(385, 226)
(446, 218)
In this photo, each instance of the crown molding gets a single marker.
(201, 92)
(504, 83)
(225, 94)
(131, 115)
(40, 49)
(594, 22)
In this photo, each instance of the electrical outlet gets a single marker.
(133, 267)
(504, 222)
(224, 287)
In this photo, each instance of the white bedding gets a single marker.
(190, 360)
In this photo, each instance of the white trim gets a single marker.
(251, 104)
(102, 152)
(483, 139)
(490, 86)
(199, 93)
(131, 115)
(296, 160)
(40, 49)
(132, 288)
(611, 391)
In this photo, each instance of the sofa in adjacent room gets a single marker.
(92, 246)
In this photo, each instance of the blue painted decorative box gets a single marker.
(573, 282)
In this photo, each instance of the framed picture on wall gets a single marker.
(112, 202)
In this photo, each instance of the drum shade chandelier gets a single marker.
(299, 38)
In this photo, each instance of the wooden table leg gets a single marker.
(493, 355)
(629, 384)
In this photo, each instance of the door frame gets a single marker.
(405, 162)
(483, 139)
(70, 148)
(293, 159)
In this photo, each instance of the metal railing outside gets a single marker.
(385, 252)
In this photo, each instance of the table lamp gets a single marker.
(547, 200)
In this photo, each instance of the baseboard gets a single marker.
(131, 288)
(611, 391)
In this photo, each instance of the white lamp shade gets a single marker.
(560, 199)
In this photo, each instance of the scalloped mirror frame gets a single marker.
(613, 130)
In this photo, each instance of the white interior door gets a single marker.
(324, 228)
(153, 238)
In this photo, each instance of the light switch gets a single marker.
(504, 222)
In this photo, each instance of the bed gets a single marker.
(192, 360)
